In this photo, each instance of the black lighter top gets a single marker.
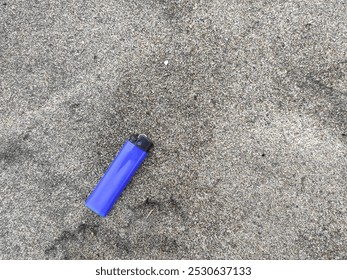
(141, 141)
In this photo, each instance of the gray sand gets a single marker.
(246, 102)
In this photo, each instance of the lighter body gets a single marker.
(118, 175)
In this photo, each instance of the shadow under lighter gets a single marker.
(118, 175)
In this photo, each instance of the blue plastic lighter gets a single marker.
(119, 173)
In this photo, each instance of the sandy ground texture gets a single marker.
(246, 102)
